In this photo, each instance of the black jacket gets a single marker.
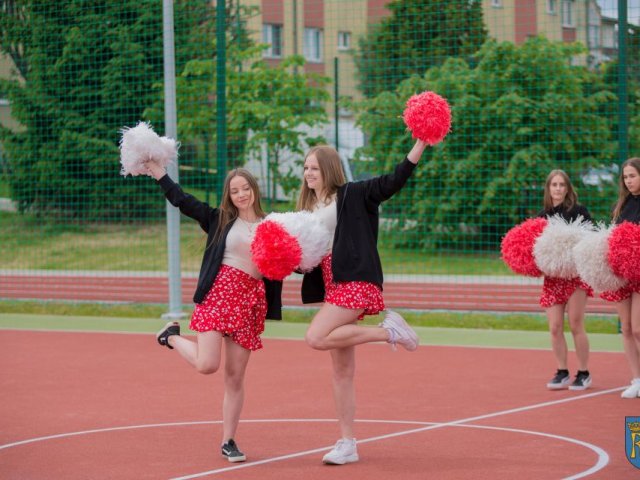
(630, 210)
(568, 215)
(208, 219)
(355, 254)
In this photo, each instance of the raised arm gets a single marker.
(188, 204)
(416, 152)
(380, 189)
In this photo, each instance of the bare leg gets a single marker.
(625, 310)
(576, 307)
(235, 366)
(335, 327)
(555, 318)
(344, 395)
(203, 354)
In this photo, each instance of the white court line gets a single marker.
(597, 467)
(603, 457)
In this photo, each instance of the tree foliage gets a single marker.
(86, 69)
(417, 35)
(268, 107)
(518, 113)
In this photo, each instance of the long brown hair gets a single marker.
(623, 191)
(228, 211)
(332, 176)
(570, 199)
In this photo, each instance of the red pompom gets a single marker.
(624, 251)
(517, 246)
(275, 252)
(428, 117)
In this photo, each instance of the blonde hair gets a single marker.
(332, 176)
(570, 199)
(623, 191)
(228, 211)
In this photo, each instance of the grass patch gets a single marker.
(26, 242)
(482, 321)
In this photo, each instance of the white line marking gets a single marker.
(603, 458)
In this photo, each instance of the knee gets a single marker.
(207, 368)
(233, 381)
(556, 330)
(317, 342)
(577, 326)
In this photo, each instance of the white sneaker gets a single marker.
(400, 331)
(345, 451)
(633, 391)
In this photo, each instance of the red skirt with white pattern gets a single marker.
(352, 295)
(622, 293)
(557, 291)
(236, 306)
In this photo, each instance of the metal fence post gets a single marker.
(171, 130)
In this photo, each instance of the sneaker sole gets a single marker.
(236, 459)
(562, 386)
(349, 459)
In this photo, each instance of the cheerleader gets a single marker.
(349, 278)
(232, 299)
(627, 299)
(560, 294)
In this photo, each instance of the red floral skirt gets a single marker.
(235, 306)
(622, 293)
(557, 291)
(352, 295)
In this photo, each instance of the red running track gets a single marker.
(496, 297)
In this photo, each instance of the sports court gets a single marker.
(89, 404)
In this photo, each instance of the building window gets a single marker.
(344, 40)
(272, 36)
(552, 6)
(313, 44)
(567, 13)
(496, 3)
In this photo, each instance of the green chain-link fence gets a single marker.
(533, 86)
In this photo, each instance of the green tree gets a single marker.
(268, 107)
(417, 35)
(518, 113)
(85, 70)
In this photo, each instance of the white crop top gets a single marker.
(237, 252)
(328, 215)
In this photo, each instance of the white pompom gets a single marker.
(141, 143)
(553, 249)
(313, 237)
(590, 255)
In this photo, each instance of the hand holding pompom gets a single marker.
(141, 144)
(428, 117)
(285, 242)
(517, 246)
